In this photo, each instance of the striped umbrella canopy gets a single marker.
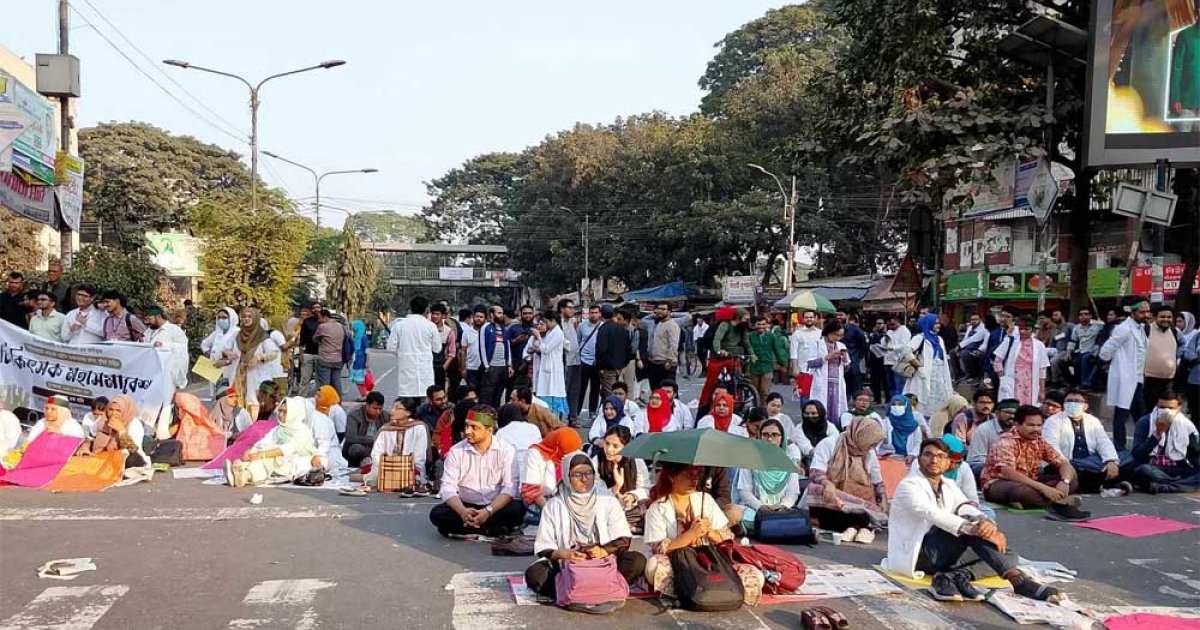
(811, 301)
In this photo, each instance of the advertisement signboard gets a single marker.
(962, 287)
(177, 253)
(1017, 285)
(34, 149)
(1143, 95)
(455, 273)
(1143, 280)
(739, 289)
(69, 190)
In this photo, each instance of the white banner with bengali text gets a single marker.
(32, 369)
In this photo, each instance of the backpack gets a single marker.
(705, 580)
(347, 346)
(133, 334)
(590, 583)
(785, 572)
(787, 527)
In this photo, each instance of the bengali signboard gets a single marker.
(962, 287)
(739, 289)
(35, 203)
(34, 149)
(1016, 285)
(1142, 282)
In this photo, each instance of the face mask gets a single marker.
(1166, 413)
(1073, 409)
(222, 324)
(812, 418)
(897, 410)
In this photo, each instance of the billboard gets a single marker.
(1143, 100)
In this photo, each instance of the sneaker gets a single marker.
(1126, 487)
(849, 534)
(865, 536)
(1067, 512)
(962, 580)
(943, 588)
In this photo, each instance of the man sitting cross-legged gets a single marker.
(479, 482)
(1080, 438)
(935, 530)
(1166, 449)
(1011, 475)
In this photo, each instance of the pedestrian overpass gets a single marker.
(462, 272)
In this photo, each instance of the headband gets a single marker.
(1133, 306)
(486, 419)
(59, 401)
(1007, 404)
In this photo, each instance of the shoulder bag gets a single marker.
(396, 471)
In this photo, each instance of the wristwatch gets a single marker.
(489, 510)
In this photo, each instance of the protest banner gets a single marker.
(32, 369)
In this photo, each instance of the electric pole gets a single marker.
(65, 244)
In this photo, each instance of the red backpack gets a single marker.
(788, 573)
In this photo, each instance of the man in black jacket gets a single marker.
(362, 425)
(613, 349)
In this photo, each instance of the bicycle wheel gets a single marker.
(746, 395)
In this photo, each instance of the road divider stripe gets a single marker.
(172, 514)
(66, 608)
(483, 601)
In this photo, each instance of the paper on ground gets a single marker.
(843, 580)
(1029, 611)
(193, 473)
(66, 569)
(1170, 611)
(1045, 571)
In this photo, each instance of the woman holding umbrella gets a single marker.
(680, 515)
(847, 492)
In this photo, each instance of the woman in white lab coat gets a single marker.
(932, 382)
(549, 369)
(1021, 363)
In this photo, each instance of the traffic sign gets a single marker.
(1043, 192)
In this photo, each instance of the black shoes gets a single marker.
(944, 589)
(962, 580)
(1067, 512)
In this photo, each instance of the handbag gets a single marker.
(705, 580)
(788, 527)
(168, 452)
(804, 382)
(784, 573)
(590, 583)
(396, 471)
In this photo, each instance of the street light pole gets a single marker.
(254, 101)
(585, 234)
(789, 215)
(317, 177)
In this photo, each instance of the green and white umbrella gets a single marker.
(807, 301)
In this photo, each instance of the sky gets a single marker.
(427, 85)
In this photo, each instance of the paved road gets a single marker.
(175, 553)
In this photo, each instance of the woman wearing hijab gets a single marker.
(120, 429)
(214, 345)
(252, 354)
(543, 465)
(942, 420)
(813, 429)
(1022, 362)
(931, 382)
(847, 492)
(56, 419)
(828, 369)
(774, 405)
(1189, 362)
(904, 432)
(580, 523)
(287, 450)
(627, 479)
(328, 402)
(228, 415)
(722, 417)
(767, 490)
(402, 426)
(358, 367)
(658, 416)
(612, 414)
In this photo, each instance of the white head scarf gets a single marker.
(226, 340)
(1175, 443)
(580, 505)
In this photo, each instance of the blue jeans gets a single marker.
(1085, 369)
(1136, 409)
(898, 382)
(329, 374)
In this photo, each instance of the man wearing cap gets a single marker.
(171, 342)
(1126, 348)
(479, 485)
(986, 434)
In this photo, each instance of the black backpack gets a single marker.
(347, 346)
(705, 580)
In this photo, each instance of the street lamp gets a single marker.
(789, 215)
(317, 177)
(324, 65)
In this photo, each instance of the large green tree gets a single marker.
(19, 246)
(353, 277)
(387, 227)
(141, 178)
(470, 202)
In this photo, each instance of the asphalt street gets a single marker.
(178, 554)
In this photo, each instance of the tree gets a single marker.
(141, 178)
(353, 278)
(387, 227)
(469, 201)
(250, 257)
(130, 272)
(19, 246)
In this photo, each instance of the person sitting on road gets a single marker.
(626, 478)
(767, 490)
(362, 425)
(621, 391)
(681, 414)
(580, 523)
(982, 410)
(658, 416)
(403, 428)
(1080, 438)
(1011, 473)
(1166, 449)
(516, 431)
(269, 395)
(612, 414)
(89, 422)
(960, 474)
(681, 514)
(847, 493)
(120, 429)
(1052, 404)
(328, 402)
(813, 430)
(449, 429)
(288, 450)
(543, 465)
(934, 529)
(10, 434)
(329, 451)
(861, 407)
(479, 484)
(56, 419)
(538, 415)
(774, 403)
(722, 417)
(228, 415)
(903, 429)
(941, 421)
(987, 433)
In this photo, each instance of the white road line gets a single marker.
(739, 620)
(66, 608)
(288, 602)
(1190, 582)
(172, 514)
(482, 601)
(905, 611)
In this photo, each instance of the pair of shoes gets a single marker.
(596, 609)
(863, 536)
(954, 586)
(1024, 586)
(1068, 512)
(405, 493)
(823, 618)
(235, 475)
(962, 581)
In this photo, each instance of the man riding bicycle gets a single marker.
(730, 346)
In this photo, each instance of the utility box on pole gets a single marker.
(58, 75)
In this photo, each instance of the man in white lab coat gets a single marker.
(1080, 438)
(172, 345)
(414, 339)
(1126, 348)
(932, 528)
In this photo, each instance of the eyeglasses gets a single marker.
(935, 455)
(582, 476)
(771, 435)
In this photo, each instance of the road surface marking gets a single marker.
(720, 621)
(1165, 589)
(172, 514)
(483, 601)
(289, 602)
(905, 611)
(66, 608)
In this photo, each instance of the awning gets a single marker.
(881, 299)
(841, 289)
(671, 290)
